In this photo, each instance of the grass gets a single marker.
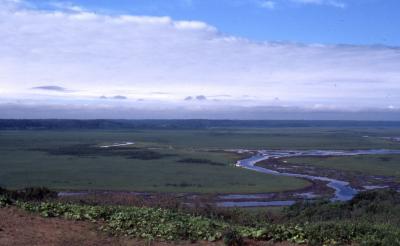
(170, 160)
(266, 138)
(370, 218)
(63, 160)
(386, 165)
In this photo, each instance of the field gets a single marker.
(373, 165)
(181, 162)
(58, 160)
(173, 160)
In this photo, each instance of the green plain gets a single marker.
(387, 165)
(24, 163)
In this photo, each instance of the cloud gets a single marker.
(198, 98)
(117, 97)
(273, 4)
(66, 6)
(221, 96)
(236, 112)
(201, 98)
(267, 4)
(333, 3)
(133, 56)
(51, 88)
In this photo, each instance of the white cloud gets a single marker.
(267, 4)
(93, 54)
(193, 25)
(273, 4)
(66, 6)
(334, 3)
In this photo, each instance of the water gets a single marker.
(245, 196)
(85, 193)
(71, 193)
(343, 190)
(254, 204)
(308, 195)
(374, 187)
(117, 145)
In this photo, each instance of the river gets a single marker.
(343, 190)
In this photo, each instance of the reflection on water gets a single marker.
(245, 196)
(254, 204)
(117, 145)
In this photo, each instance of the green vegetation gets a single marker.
(5, 201)
(158, 162)
(88, 151)
(374, 207)
(167, 160)
(200, 161)
(149, 223)
(190, 158)
(28, 194)
(311, 223)
(387, 165)
(52, 124)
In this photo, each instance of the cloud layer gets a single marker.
(333, 3)
(272, 4)
(50, 88)
(95, 54)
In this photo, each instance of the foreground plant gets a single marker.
(357, 222)
(163, 224)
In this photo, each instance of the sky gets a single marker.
(217, 59)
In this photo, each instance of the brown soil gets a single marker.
(19, 228)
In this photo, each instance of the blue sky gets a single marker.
(306, 21)
(236, 59)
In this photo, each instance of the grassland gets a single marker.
(169, 160)
(386, 165)
(61, 160)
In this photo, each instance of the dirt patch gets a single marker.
(19, 228)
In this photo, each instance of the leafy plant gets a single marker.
(29, 193)
(232, 238)
(4, 201)
(165, 224)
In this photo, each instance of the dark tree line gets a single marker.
(49, 124)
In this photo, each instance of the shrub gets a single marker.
(28, 194)
(4, 201)
(378, 206)
(232, 238)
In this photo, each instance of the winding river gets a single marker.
(343, 190)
